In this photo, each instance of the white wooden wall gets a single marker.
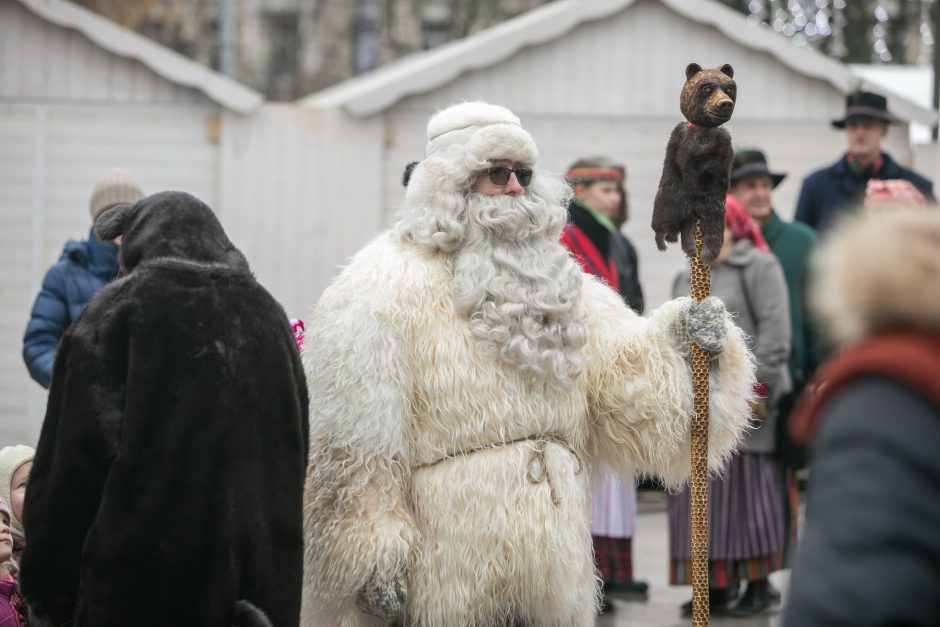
(17, 198)
(68, 112)
(300, 194)
(927, 158)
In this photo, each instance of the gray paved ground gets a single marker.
(650, 557)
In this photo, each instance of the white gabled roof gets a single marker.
(379, 89)
(169, 64)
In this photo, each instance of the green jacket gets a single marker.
(793, 243)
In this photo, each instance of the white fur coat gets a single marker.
(398, 382)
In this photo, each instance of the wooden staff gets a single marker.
(696, 172)
(701, 286)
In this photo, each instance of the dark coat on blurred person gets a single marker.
(870, 555)
(83, 269)
(167, 484)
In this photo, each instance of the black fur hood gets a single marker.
(172, 225)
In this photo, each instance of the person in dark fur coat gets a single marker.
(167, 484)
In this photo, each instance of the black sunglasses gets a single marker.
(499, 175)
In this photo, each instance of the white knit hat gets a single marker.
(11, 458)
(115, 187)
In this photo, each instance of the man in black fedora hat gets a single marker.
(833, 190)
(753, 182)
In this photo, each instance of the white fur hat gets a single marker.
(485, 131)
(464, 139)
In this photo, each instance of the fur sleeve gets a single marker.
(640, 389)
(356, 520)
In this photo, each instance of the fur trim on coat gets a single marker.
(880, 270)
(401, 391)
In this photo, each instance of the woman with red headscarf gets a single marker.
(748, 527)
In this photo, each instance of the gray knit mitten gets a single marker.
(382, 596)
(705, 325)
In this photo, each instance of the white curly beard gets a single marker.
(519, 287)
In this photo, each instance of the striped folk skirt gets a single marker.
(751, 523)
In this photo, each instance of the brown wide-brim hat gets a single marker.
(753, 163)
(864, 104)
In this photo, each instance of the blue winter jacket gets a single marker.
(82, 270)
(835, 190)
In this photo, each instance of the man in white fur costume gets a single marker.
(467, 382)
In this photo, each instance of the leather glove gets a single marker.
(382, 595)
(704, 324)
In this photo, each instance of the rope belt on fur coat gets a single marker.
(537, 469)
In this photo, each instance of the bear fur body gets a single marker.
(697, 168)
(167, 483)
(431, 456)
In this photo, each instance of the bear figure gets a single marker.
(697, 168)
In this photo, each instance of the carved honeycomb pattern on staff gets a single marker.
(701, 286)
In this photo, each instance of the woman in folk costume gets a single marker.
(593, 238)
(748, 531)
(468, 380)
(588, 230)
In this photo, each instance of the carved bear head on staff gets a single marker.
(708, 96)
